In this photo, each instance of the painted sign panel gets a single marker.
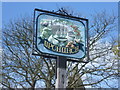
(60, 36)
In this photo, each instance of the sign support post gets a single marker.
(61, 72)
(60, 36)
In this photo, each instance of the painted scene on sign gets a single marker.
(61, 35)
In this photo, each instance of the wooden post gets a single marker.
(61, 72)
